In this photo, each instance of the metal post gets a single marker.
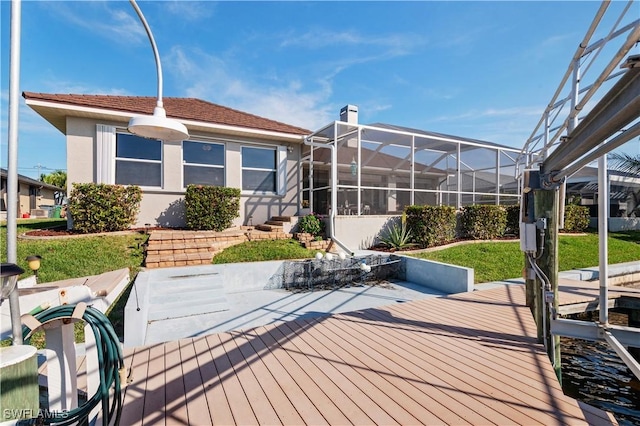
(603, 231)
(12, 164)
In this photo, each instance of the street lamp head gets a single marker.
(158, 126)
(9, 273)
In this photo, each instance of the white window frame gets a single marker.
(280, 170)
(213, 166)
(106, 156)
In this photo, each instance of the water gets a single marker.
(592, 372)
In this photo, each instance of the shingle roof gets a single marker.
(179, 108)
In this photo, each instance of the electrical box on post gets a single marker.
(530, 182)
(528, 237)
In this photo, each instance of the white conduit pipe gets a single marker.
(332, 215)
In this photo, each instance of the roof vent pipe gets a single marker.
(349, 114)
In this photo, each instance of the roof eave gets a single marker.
(47, 108)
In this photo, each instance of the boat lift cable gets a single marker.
(110, 361)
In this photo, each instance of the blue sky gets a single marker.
(483, 70)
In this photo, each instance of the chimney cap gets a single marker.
(349, 114)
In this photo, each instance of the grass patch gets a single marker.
(500, 261)
(258, 251)
(74, 257)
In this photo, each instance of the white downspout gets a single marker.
(334, 195)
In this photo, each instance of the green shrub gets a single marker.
(310, 224)
(211, 207)
(397, 236)
(513, 219)
(576, 218)
(431, 225)
(483, 221)
(98, 207)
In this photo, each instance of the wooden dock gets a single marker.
(470, 358)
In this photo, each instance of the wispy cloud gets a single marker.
(290, 101)
(320, 38)
(117, 24)
(190, 10)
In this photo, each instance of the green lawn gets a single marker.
(256, 251)
(503, 260)
(74, 257)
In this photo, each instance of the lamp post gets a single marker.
(9, 273)
(156, 126)
(12, 166)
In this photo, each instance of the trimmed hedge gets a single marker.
(483, 221)
(99, 207)
(211, 207)
(576, 218)
(513, 219)
(431, 225)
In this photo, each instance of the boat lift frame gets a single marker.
(613, 121)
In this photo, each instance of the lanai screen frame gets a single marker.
(336, 147)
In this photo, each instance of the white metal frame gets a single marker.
(546, 140)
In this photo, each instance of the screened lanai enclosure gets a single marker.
(379, 169)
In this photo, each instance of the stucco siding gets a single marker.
(165, 206)
(81, 151)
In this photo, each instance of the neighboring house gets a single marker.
(34, 197)
(226, 147)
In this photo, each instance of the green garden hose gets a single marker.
(111, 366)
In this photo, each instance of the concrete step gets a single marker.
(273, 222)
(178, 290)
(269, 228)
(203, 303)
(281, 218)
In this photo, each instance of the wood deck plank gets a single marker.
(238, 402)
(470, 358)
(412, 362)
(279, 364)
(311, 385)
(176, 402)
(485, 380)
(392, 400)
(449, 376)
(407, 400)
(137, 361)
(277, 397)
(536, 388)
(262, 408)
(355, 402)
(219, 407)
(198, 410)
(154, 400)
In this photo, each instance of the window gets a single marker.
(138, 161)
(202, 163)
(259, 169)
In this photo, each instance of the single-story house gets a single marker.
(35, 198)
(345, 169)
(226, 147)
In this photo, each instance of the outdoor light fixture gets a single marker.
(9, 273)
(34, 263)
(354, 166)
(157, 126)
